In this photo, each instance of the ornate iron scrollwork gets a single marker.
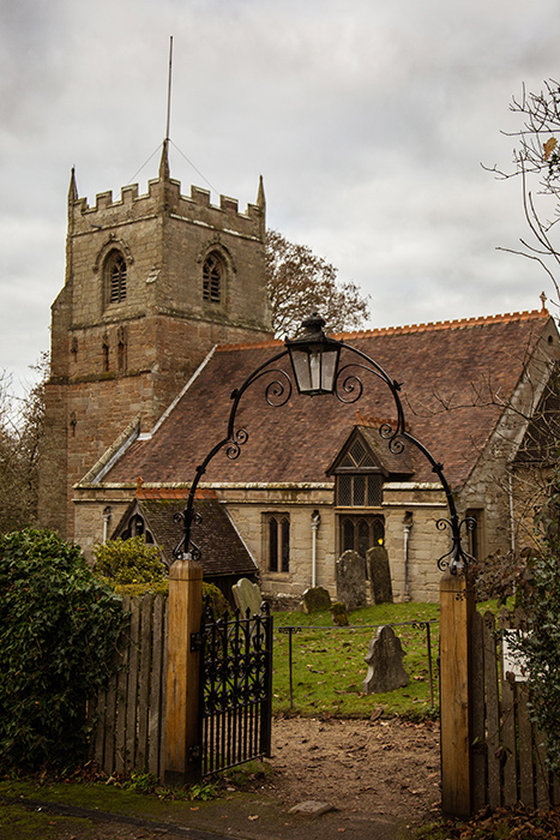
(457, 557)
(348, 388)
(240, 437)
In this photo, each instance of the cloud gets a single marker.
(368, 121)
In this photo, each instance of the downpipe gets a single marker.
(315, 522)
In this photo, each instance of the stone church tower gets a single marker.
(152, 283)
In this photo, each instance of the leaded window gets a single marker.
(359, 482)
(358, 533)
(359, 490)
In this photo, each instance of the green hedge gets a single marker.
(59, 627)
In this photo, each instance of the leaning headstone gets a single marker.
(247, 595)
(351, 580)
(315, 599)
(379, 575)
(384, 660)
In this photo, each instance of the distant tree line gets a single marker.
(21, 432)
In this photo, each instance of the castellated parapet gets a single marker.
(152, 283)
(195, 209)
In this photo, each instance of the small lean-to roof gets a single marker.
(222, 550)
(456, 377)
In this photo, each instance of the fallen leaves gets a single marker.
(515, 823)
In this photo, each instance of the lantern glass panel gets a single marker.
(300, 363)
(328, 373)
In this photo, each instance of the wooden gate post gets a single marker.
(456, 614)
(184, 613)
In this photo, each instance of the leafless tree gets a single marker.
(536, 161)
(299, 283)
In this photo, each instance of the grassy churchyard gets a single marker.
(328, 666)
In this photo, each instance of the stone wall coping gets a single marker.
(215, 485)
(407, 504)
(95, 475)
(412, 485)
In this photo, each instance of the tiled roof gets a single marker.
(222, 550)
(453, 374)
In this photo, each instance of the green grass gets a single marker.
(329, 666)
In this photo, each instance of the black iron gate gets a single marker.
(236, 688)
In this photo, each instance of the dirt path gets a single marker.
(361, 767)
(379, 777)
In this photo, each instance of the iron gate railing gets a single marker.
(236, 688)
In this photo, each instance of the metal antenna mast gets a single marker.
(169, 87)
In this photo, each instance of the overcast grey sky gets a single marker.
(368, 121)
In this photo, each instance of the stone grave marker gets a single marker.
(379, 575)
(247, 595)
(384, 660)
(315, 599)
(351, 580)
(339, 614)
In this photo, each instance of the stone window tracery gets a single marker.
(358, 533)
(213, 273)
(115, 277)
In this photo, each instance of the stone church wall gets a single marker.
(114, 361)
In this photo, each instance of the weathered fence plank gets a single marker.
(132, 687)
(525, 748)
(155, 719)
(129, 729)
(122, 679)
(161, 771)
(541, 771)
(144, 680)
(109, 726)
(478, 719)
(508, 743)
(507, 750)
(492, 710)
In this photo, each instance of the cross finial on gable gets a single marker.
(543, 301)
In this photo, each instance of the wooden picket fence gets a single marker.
(129, 717)
(508, 752)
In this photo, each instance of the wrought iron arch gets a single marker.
(348, 388)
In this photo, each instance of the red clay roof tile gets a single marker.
(453, 373)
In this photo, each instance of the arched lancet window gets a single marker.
(137, 528)
(115, 277)
(278, 542)
(213, 274)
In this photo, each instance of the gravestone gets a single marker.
(339, 614)
(351, 580)
(379, 575)
(384, 660)
(315, 599)
(247, 595)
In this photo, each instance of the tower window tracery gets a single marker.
(115, 273)
(212, 278)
